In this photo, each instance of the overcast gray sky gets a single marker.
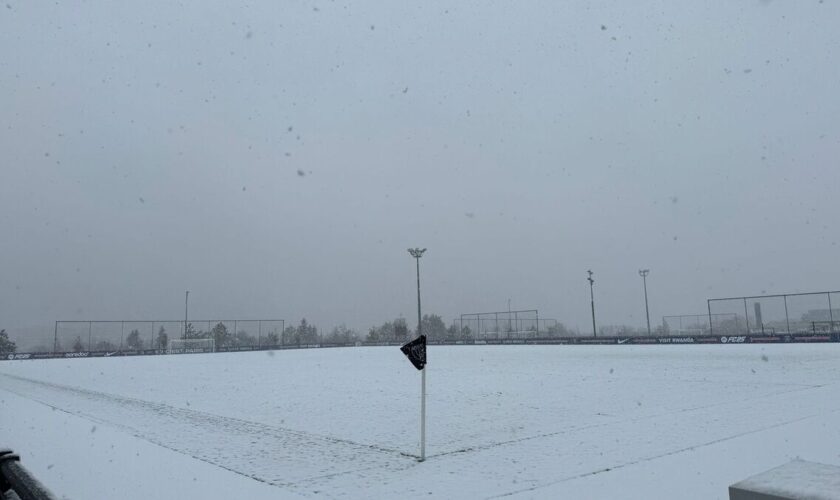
(277, 158)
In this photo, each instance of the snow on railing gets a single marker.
(17, 482)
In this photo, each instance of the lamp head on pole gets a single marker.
(589, 279)
(644, 272)
(416, 252)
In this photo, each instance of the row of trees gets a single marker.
(133, 342)
(303, 333)
(397, 330)
(434, 328)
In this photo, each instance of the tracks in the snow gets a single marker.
(270, 454)
(653, 457)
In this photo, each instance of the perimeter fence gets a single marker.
(693, 324)
(782, 314)
(508, 325)
(129, 335)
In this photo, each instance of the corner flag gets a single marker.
(415, 351)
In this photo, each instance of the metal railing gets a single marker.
(825, 327)
(17, 482)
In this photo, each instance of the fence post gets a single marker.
(746, 316)
(90, 325)
(787, 319)
(516, 317)
(259, 334)
(709, 305)
(55, 337)
(122, 334)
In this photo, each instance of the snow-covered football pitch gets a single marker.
(518, 421)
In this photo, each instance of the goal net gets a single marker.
(177, 346)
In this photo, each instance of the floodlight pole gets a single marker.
(592, 300)
(643, 273)
(417, 253)
(186, 313)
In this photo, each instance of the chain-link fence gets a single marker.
(692, 324)
(813, 312)
(121, 336)
(507, 325)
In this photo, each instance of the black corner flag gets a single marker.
(415, 351)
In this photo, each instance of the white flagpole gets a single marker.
(423, 416)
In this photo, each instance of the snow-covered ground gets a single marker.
(520, 421)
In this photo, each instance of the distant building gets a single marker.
(821, 315)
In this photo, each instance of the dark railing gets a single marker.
(17, 482)
(825, 326)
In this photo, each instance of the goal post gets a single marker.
(180, 346)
